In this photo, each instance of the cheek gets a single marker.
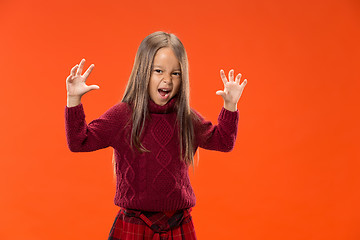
(152, 84)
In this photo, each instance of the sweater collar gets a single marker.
(167, 108)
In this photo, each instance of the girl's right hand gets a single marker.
(75, 82)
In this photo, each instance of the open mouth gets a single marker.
(164, 93)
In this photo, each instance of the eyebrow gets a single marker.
(178, 69)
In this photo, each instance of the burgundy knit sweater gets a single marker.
(152, 181)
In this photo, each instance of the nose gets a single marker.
(167, 78)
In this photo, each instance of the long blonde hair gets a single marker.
(136, 92)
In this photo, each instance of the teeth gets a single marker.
(164, 92)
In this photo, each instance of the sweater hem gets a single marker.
(75, 112)
(156, 205)
(226, 115)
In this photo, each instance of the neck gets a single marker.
(167, 108)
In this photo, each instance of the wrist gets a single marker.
(230, 106)
(73, 101)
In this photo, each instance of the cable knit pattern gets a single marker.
(157, 180)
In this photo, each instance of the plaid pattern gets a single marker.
(142, 225)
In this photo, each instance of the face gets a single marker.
(165, 77)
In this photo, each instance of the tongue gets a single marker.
(162, 93)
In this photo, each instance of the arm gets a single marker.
(220, 137)
(80, 136)
(98, 134)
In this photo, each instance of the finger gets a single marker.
(92, 87)
(88, 71)
(231, 75)
(238, 77)
(223, 77)
(73, 70)
(244, 82)
(69, 78)
(220, 93)
(79, 71)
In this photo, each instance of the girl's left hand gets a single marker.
(232, 89)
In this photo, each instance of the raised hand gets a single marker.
(232, 90)
(75, 82)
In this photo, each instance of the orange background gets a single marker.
(294, 172)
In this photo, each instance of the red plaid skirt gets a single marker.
(141, 225)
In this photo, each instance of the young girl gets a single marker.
(154, 134)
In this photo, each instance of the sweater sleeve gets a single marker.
(220, 137)
(98, 134)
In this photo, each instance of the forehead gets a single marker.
(165, 57)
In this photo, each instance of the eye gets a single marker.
(158, 70)
(177, 73)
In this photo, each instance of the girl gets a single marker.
(154, 134)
